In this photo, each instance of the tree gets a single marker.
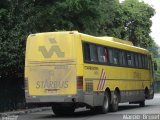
(111, 23)
(137, 22)
(155, 50)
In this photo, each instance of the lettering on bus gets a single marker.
(52, 50)
(51, 84)
(90, 68)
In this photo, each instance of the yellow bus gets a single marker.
(68, 70)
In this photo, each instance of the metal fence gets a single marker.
(11, 92)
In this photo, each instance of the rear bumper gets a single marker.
(55, 99)
(80, 99)
(35, 99)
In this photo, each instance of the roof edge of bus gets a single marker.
(107, 38)
(70, 32)
(119, 41)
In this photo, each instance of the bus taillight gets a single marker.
(79, 82)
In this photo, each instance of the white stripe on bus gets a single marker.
(102, 79)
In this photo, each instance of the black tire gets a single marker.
(114, 102)
(146, 93)
(63, 110)
(105, 106)
(142, 104)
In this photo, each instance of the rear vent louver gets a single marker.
(89, 86)
(26, 83)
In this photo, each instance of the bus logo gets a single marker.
(102, 80)
(54, 49)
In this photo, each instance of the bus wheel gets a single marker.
(106, 101)
(115, 102)
(63, 110)
(141, 103)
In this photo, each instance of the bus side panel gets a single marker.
(131, 82)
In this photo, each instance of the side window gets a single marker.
(143, 61)
(150, 65)
(140, 60)
(111, 61)
(86, 52)
(136, 60)
(100, 51)
(129, 59)
(132, 59)
(99, 54)
(102, 54)
(105, 55)
(146, 62)
(122, 58)
(116, 56)
(93, 53)
(123, 55)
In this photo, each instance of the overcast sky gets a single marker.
(155, 20)
(155, 34)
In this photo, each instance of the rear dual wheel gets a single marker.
(106, 101)
(105, 106)
(114, 102)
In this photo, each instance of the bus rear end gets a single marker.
(50, 70)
